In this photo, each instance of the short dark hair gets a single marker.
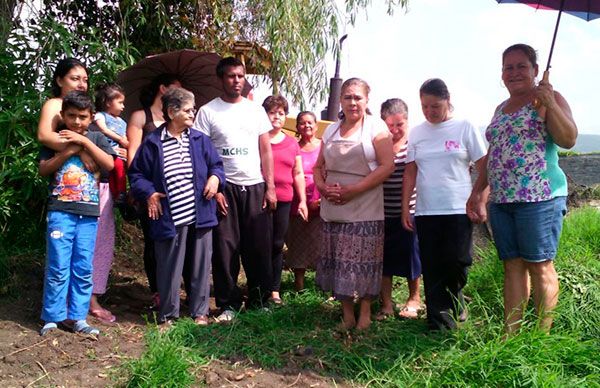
(228, 62)
(79, 100)
(277, 101)
(148, 94)
(105, 93)
(526, 49)
(174, 98)
(62, 68)
(393, 106)
(435, 87)
(305, 113)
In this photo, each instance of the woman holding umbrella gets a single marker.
(527, 187)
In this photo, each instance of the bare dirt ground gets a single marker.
(64, 359)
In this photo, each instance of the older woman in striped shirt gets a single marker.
(177, 172)
(400, 250)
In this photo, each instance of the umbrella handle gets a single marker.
(545, 78)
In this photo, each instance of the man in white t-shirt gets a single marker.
(239, 130)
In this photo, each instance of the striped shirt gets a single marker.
(179, 176)
(392, 187)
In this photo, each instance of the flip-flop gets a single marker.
(103, 315)
(409, 312)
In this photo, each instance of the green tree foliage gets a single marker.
(112, 35)
(298, 33)
(27, 59)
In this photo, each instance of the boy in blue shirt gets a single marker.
(72, 216)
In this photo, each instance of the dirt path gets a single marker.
(64, 359)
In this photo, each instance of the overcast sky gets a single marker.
(461, 41)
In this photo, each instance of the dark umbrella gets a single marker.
(585, 9)
(196, 71)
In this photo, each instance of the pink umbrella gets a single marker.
(584, 9)
(196, 71)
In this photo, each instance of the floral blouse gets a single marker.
(522, 158)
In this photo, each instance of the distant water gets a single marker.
(587, 143)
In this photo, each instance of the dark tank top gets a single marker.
(149, 125)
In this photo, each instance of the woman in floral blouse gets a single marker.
(527, 187)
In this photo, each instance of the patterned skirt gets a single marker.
(351, 260)
(303, 242)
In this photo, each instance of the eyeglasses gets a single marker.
(190, 111)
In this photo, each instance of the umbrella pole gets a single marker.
(562, 5)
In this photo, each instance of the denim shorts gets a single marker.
(529, 230)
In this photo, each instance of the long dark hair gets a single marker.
(62, 68)
(148, 94)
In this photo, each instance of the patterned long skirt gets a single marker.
(351, 260)
(303, 241)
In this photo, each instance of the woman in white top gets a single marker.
(354, 160)
(440, 152)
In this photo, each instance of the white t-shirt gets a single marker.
(234, 130)
(372, 126)
(443, 153)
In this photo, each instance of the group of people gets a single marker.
(370, 200)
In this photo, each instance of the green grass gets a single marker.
(403, 353)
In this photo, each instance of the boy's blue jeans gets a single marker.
(70, 245)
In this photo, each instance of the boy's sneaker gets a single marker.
(84, 328)
(226, 316)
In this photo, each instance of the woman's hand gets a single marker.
(211, 187)
(68, 136)
(476, 209)
(338, 194)
(407, 220)
(544, 94)
(121, 152)
(155, 209)
(303, 211)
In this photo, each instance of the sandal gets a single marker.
(165, 326)
(103, 315)
(201, 320)
(409, 312)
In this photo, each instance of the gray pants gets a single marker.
(192, 247)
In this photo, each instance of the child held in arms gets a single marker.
(72, 216)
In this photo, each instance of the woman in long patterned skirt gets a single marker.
(356, 157)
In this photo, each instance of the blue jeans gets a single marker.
(68, 283)
(530, 230)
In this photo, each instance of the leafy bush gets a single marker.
(27, 59)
